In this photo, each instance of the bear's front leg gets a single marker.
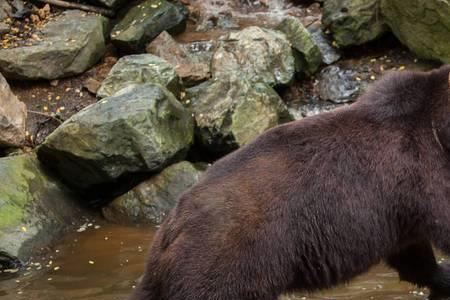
(417, 264)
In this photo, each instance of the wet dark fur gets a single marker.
(314, 203)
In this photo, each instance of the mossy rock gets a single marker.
(230, 113)
(307, 52)
(145, 21)
(256, 54)
(70, 44)
(354, 22)
(423, 26)
(137, 69)
(35, 209)
(142, 128)
(151, 201)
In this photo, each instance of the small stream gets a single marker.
(104, 261)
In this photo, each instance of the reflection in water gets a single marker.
(100, 264)
(103, 263)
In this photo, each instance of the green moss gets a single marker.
(14, 194)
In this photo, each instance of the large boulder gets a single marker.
(145, 21)
(70, 44)
(423, 26)
(307, 52)
(13, 115)
(142, 128)
(151, 201)
(354, 22)
(137, 69)
(231, 112)
(257, 54)
(190, 70)
(35, 209)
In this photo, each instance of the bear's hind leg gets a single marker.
(417, 264)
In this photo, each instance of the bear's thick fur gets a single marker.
(313, 203)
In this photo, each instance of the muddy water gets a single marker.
(102, 263)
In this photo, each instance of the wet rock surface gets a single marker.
(231, 112)
(151, 201)
(138, 69)
(13, 114)
(256, 54)
(314, 107)
(143, 128)
(65, 46)
(145, 21)
(338, 85)
(35, 209)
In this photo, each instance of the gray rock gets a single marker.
(329, 53)
(201, 51)
(151, 201)
(353, 22)
(338, 85)
(307, 52)
(13, 115)
(137, 69)
(145, 21)
(35, 209)
(231, 112)
(142, 128)
(191, 72)
(256, 54)
(5, 10)
(312, 109)
(69, 45)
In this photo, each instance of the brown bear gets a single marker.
(313, 203)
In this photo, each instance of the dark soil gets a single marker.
(50, 103)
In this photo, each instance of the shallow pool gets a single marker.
(103, 262)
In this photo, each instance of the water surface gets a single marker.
(104, 261)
